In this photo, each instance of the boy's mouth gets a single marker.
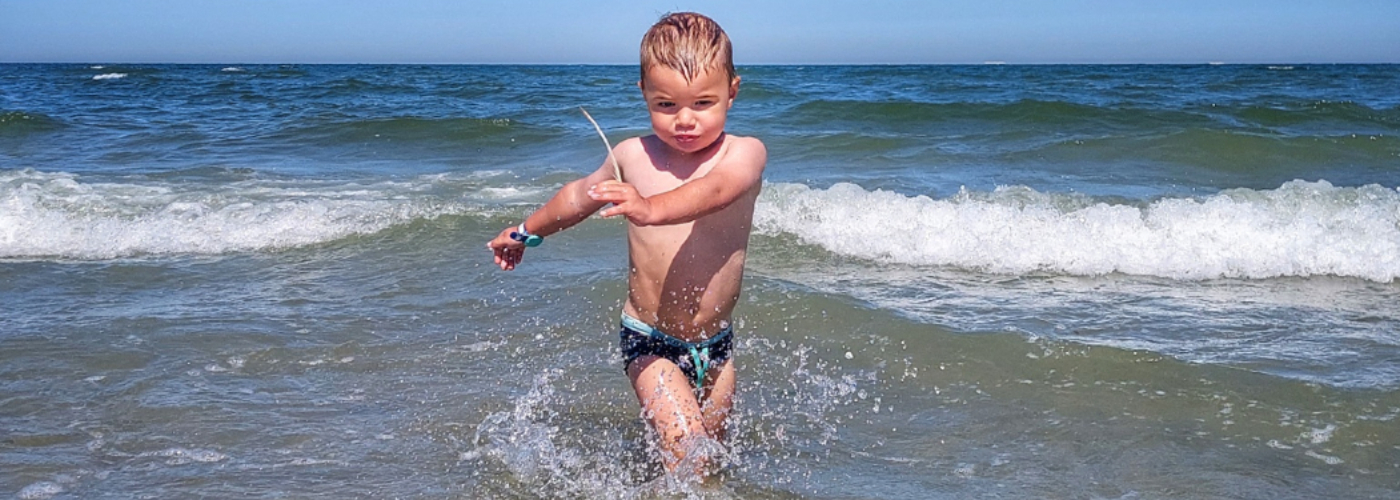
(686, 138)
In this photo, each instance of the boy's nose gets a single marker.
(685, 119)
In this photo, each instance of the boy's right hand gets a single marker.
(508, 251)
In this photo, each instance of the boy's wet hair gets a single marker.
(689, 43)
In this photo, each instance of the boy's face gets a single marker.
(688, 116)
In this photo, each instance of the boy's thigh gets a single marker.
(669, 400)
(718, 398)
(719, 385)
(657, 376)
(665, 393)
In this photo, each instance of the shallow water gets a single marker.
(1066, 282)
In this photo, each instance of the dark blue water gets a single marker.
(1024, 281)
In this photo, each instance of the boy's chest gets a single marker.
(659, 180)
(662, 176)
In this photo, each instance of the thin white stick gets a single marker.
(617, 171)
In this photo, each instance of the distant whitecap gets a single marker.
(109, 76)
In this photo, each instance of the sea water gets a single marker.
(964, 281)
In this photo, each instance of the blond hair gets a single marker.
(688, 43)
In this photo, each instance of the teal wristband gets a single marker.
(523, 236)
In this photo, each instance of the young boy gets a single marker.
(688, 194)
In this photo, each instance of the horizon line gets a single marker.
(982, 63)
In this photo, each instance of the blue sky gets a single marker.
(764, 32)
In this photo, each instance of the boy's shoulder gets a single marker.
(749, 152)
(746, 145)
(634, 143)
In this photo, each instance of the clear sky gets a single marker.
(764, 31)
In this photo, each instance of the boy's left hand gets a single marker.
(625, 199)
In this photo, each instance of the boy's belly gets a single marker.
(690, 298)
(684, 278)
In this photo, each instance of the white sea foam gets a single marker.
(1328, 459)
(42, 490)
(1320, 436)
(1300, 229)
(46, 215)
(109, 76)
(232, 69)
(181, 456)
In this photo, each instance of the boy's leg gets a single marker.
(669, 404)
(718, 399)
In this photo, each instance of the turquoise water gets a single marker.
(999, 281)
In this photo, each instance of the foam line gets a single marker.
(1300, 229)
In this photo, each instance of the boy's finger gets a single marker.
(604, 194)
(613, 211)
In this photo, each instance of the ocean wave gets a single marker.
(441, 131)
(60, 215)
(1291, 117)
(109, 76)
(903, 114)
(1300, 229)
(365, 84)
(1223, 150)
(21, 122)
(760, 91)
(1352, 115)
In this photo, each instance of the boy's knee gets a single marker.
(679, 432)
(678, 437)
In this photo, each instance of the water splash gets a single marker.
(776, 431)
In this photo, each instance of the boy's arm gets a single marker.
(567, 207)
(739, 173)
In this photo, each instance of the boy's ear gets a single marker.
(733, 89)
